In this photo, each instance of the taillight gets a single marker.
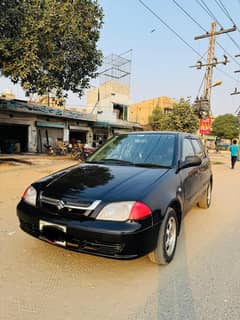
(139, 211)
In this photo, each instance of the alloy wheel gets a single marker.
(171, 235)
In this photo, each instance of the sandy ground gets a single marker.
(39, 281)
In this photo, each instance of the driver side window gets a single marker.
(187, 149)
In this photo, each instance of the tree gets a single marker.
(226, 126)
(181, 118)
(50, 44)
(156, 120)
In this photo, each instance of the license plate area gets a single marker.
(52, 232)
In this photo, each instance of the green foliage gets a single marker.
(181, 118)
(156, 120)
(226, 126)
(50, 44)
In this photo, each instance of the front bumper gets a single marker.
(120, 240)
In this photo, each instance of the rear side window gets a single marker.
(199, 151)
(187, 149)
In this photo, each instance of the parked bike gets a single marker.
(81, 153)
(78, 154)
(49, 149)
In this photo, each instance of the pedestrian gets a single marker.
(234, 148)
(217, 141)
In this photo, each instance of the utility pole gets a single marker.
(209, 68)
(235, 92)
(203, 104)
(236, 71)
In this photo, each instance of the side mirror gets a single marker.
(190, 161)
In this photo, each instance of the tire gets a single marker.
(75, 155)
(167, 239)
(205, 200)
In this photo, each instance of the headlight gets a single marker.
(30, 196)
(122, 211)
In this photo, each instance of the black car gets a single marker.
(127, 200)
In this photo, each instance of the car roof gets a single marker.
(183, 134)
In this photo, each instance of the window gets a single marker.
(198, 148)
(139, 148)
(187, 149)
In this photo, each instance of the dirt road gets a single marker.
(39, 281)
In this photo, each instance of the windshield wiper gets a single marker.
(118, 161)
(151, 165)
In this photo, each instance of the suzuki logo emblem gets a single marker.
(60, 205)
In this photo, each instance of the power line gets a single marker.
(188, 14)
(198, 24)
(200, 86)
(170, 28)
(210, 13)
(228, 75)
(203, 5)
(224, 9)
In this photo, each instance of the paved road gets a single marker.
(39, 281)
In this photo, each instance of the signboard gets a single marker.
(205, 126)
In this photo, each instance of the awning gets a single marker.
(101, 124)
(78, 128)
(50, 125)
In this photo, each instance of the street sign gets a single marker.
(205, 126)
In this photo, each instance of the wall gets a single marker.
(100, 100)
(140, 112)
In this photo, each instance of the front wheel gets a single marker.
(167, 239)
(205, 200)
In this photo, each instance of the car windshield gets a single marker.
(137, 149)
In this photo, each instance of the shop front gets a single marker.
(13, 138)
(82, 134)
(48, 133)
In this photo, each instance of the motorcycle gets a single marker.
(81, 153)
(49, 149)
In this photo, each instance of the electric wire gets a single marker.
(198, 24)
(170, 28)
(226, 12)
(227, 74)
(209, 12)
(201, 85)
(203, 5)
(224, 9)
(188, 14)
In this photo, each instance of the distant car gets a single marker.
(126, 201)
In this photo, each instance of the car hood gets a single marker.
(89, 182)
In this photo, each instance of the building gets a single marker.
(27, 127)
(109, 101)
(30, 126)
(141, 111)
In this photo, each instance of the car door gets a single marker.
(205, 167)
(190, 177)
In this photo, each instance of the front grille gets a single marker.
(71, 213)
(67, 208)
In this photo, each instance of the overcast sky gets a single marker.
(160, 60)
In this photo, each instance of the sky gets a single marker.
(160, 60)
